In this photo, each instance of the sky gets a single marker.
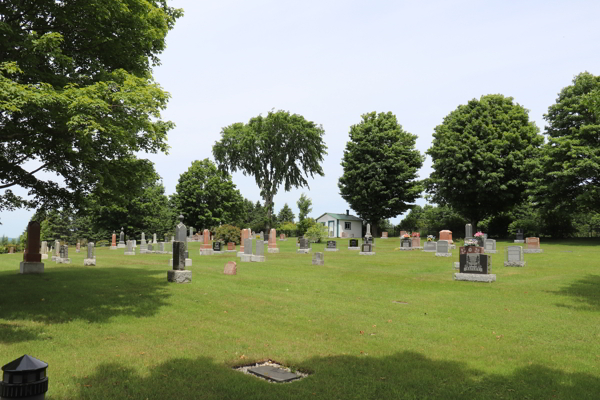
(332, 61)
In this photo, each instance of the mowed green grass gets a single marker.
(394, 325)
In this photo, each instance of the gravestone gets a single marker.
(216, 247)
(143, 244)
(230, 268)
(331, 246)
(78, 247)
(179, 274)
(91, 259)
(446, 235)
(514, 257)
(130, 251)
(154, 241)
(519, 236)
(442, 249)
(353, 244)
(206, 249)
(247, 256)
(468, 231)
(430, 247)
(181, 236)
(260, 251)
(161, 248)
(113, 243)
(282, 237)
(121, 239)
(230, 247)
(384, 235)
(416, 240)
(32, 259)
(490, 246)
(64, 255)
(56, 250)
(304, 246)
(189, 239)
(368, 234)
(318, 259)
(44, 250)
(474, 265)
(243, 238)
(272, 248)
(151, 249)
(533, 245)
(406, 244)
(366, 250)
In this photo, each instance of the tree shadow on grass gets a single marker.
(405, 375)
(585, 291)
(70, 293)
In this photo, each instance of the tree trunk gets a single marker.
(269, 205)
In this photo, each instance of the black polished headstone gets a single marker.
(353, 243)
(216, 246)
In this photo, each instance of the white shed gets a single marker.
(342, 225)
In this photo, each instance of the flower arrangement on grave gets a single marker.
(406, 236)
(478, 234)
(471, 242)
(430, 238)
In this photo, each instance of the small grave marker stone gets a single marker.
(533, 245)
(230, 268)
(442, 248)
(514, 257)
(318, 259)
(353, 244)
(91, 259)
(331, 246)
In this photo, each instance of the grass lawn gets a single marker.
(393, 325)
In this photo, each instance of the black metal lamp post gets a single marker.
(24, 378)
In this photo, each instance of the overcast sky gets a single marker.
(332, 61)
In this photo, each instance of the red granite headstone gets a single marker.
(384, 234)
(446, 235)
(230, 246)
(273, 239)
(114, 240)
(32, 251)
(532, 242)
(206, 244)
(230, 268)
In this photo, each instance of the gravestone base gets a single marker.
(240, 253)
(519, 241)
(161, 252)
(89, 261)
(44, 256)
(514, 263)
(231, 251)
(258, 258)
(130, 253)
(54, 258)
(452, 247)
(353, 248)
(303, 251)
(217, 252)
(179, 276)
(246, 258)
(457, 265)
(121, 246)
(26, 267)
(475, 277)
(318, 262)
(443, 254)
(143, 251)
(533, 251)
(405, 248)
(273, 250)
(366, 253)
(418, 248)
(63, 260)
(428, 251)
(326, 249)
(282, 240)
(77, 251)
(206, 252)
(113, 247)
(490, 251)
(383, 238)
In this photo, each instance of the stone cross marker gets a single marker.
(32, 259)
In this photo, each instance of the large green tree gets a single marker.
(207, 197)
(380, 168)
(279, 149)
(569, 176)
(304, 204)
(285, 214)
(77, 93)
(483, 156)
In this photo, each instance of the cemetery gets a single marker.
(399, 296)
(462, 257)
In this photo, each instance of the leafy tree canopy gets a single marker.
(304, 207)
(279, 149)
(483, 156)
(285, 214)
(570, 170)
(77, 93)
(380, 168)
(207, 197)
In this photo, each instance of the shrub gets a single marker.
(317, 232)
(228, 233)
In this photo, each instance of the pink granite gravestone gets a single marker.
(446, 235)
(32, 259)
(230, 268)
(231, 246)
(206, 244)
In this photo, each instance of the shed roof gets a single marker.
(342, 216)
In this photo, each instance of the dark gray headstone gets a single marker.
(475, 263)
(367, 248)
(331, 244)
(304, 243)
(519, 235)
(353, 243)
(406, 243)
(216, 246)
(178, 255)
